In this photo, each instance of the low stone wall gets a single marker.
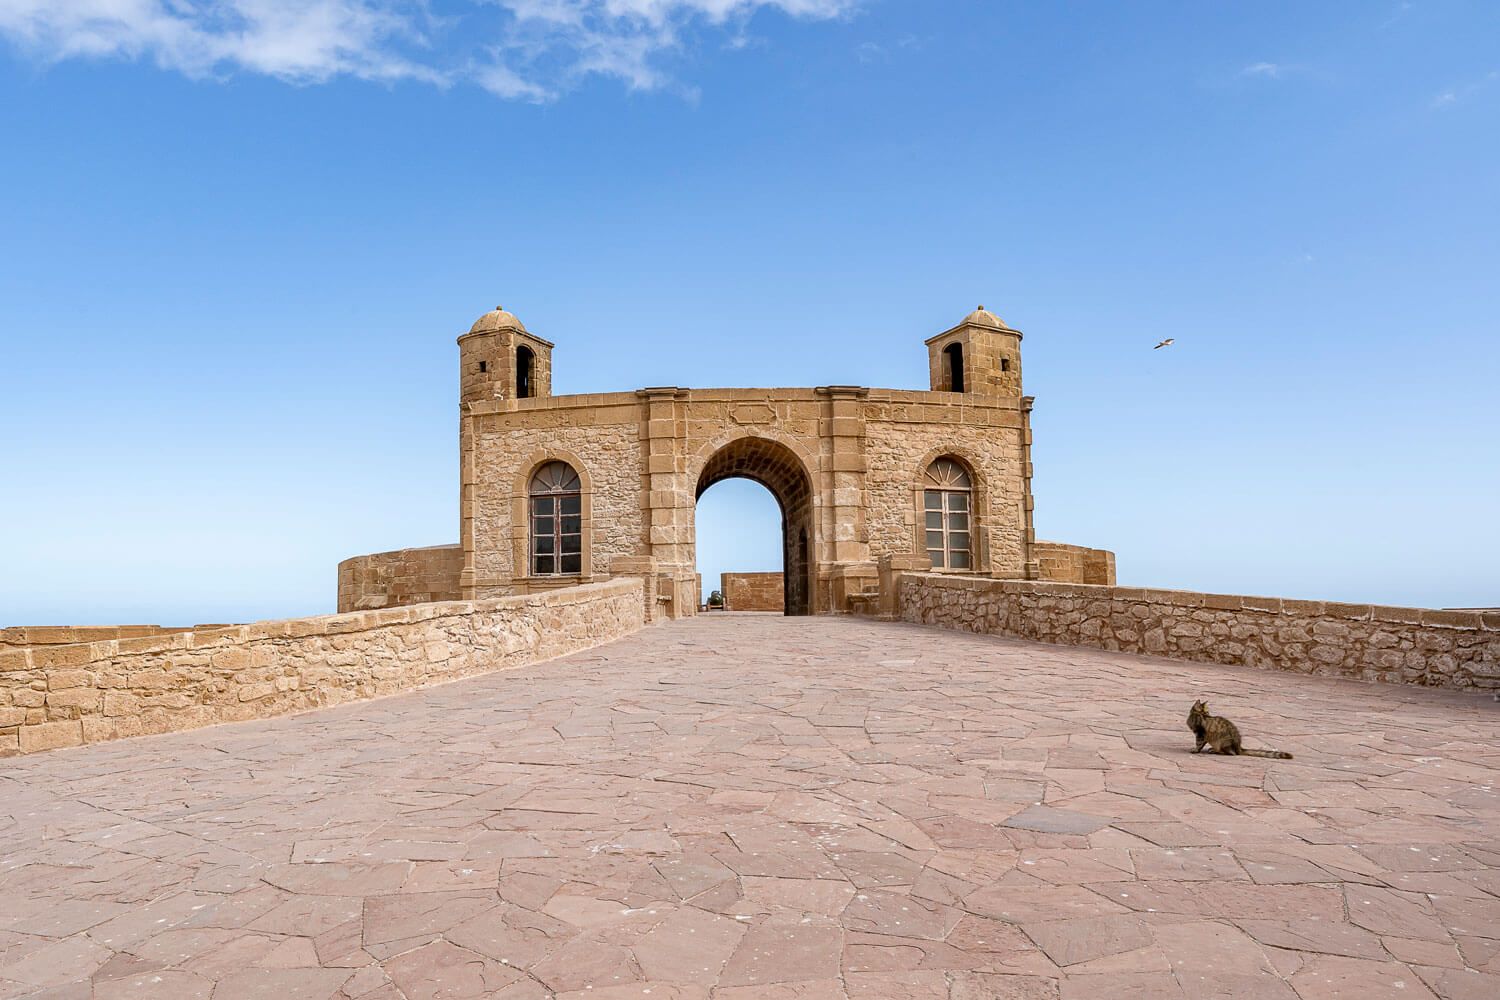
(399, 578)
(753, 591)
(1454, 649)
(57, 696)
(21, 636)
(1061, 563)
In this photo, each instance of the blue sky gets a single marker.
(240, 238)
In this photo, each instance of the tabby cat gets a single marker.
(1221, 736)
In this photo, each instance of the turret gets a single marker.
(980, 355)
(499, 359)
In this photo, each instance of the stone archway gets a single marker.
(777, 468)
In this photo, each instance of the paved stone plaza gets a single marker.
(759, 807)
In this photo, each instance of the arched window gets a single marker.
(954, 353)
(945, 505)
(525, 372)
(556, 507)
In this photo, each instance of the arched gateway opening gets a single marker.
(774, 466)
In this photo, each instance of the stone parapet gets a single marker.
(1452, 649)
(64, 695)
(1060, 563)
(753, 591)
(21, 636)
(400, 578)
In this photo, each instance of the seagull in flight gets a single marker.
(1164, 343)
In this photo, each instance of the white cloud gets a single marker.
(1263, 69)
(526, 49)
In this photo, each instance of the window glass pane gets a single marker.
(958, 521)
(933, 500)
(936, 555)
(544, 564)
(570, 505)
(572, 564)
(571, 525)
(542, 526)
(571, 543)
(960, 560)
(934, 539)
(958, 540)
(543, 505)
(958, 501)
(934, 519)
(543, 545)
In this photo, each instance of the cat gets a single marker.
(1221, 736)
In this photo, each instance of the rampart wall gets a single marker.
(753, 591)
(396, 579)
(1060, 563)
(1453, 649)
(64, 695)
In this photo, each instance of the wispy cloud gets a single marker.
(523, 49)
(1266, 69)
(1453, 95)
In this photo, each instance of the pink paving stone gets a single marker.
(759, 808)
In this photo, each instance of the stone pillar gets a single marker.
(890, 568)
(644, 567)
(669, 499)
(1030, 567)
(844, 539)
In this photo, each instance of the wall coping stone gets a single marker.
(82, 653)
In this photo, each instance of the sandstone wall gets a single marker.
(601, 441)
(904, 437)
(396, 579)
(753, 591)
(55, 696)
(1456, 649)
(1059, 563)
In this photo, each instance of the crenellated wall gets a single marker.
(1453, 649)
(64, 695)
(399, 578)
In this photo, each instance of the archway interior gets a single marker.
(775, 467)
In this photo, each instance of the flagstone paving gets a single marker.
(755, 807)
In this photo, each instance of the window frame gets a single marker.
(549, 502)
(947, 494)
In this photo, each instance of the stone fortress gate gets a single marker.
(561, 490)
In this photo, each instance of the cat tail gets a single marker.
(1279, 754)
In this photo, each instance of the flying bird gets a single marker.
(1164, 343)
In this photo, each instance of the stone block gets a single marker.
(84, 699)
(53, 657)
(1451, 619)
(61, 680)
(120, 703)
(97, 730)
(1223, 602)
(51, 736)
(1310, 609)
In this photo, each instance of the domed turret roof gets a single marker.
(983, 317)
(497, 319)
